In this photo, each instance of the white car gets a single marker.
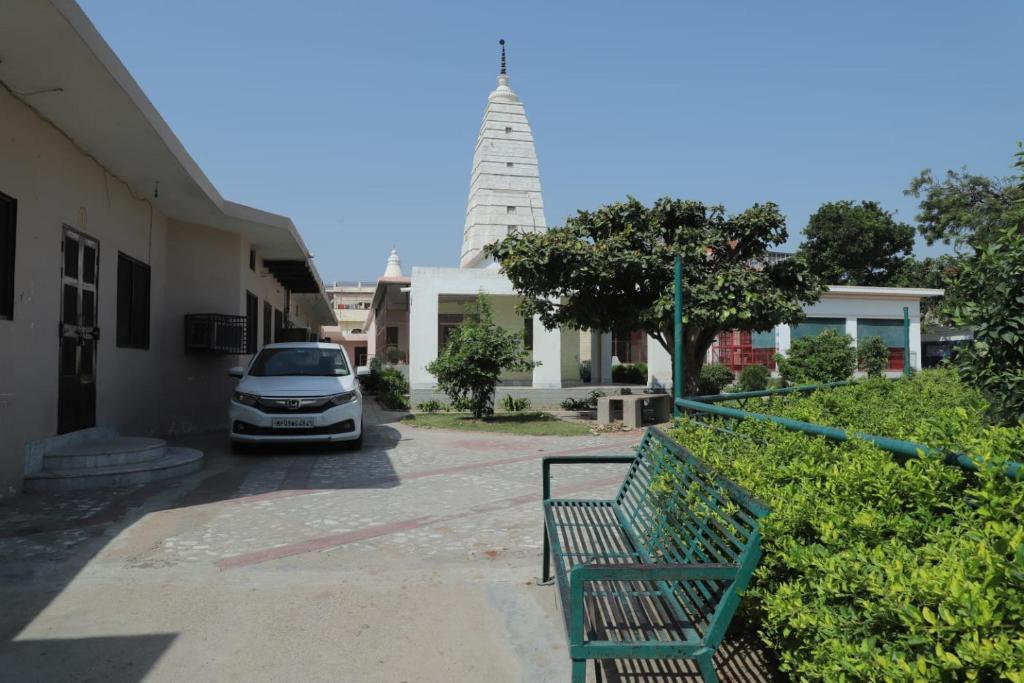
(297, 392)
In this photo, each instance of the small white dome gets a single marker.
(394, 268)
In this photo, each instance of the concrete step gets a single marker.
(175, 462)
(124, 450)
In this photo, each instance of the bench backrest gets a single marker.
(677, 510)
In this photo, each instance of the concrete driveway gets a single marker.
(412, 560)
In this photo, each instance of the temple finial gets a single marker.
(502, 43)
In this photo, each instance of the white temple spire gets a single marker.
(394, 268)
(504, 190)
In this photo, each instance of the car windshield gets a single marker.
(312, 362)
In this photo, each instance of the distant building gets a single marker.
(387, 325)
(350, 302)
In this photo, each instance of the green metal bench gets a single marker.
(657, 571)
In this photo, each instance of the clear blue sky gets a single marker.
(358, 119)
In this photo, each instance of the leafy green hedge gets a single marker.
(876, 570)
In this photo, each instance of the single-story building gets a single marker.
(128, 284)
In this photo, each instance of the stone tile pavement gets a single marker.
(412, 560)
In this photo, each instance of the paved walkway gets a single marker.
(412, 560)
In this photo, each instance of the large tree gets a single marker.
(961, 208)
(851, 243)
(613, 269)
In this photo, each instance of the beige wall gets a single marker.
(194, 269)
(55, 184)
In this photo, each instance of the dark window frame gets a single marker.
(252, 259)
(528, 334)
(134, 310)
(8, 243)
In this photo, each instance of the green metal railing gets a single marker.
(909, 449)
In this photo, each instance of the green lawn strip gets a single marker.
(532, 424)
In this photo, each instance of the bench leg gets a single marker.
(707, 669)
(604, 412)
(545, 576)
(579, 671)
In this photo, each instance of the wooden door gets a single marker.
(79, 331)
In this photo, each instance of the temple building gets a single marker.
(504, 197)
(411, 318)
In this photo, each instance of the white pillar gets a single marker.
(422, 328)
(547, 349)
(659, 365)
(785, 338)
(851, 329)
(915, 340)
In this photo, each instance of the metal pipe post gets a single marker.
(677, 356)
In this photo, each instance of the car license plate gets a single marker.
(292, 422)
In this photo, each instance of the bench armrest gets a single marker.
(547, 462)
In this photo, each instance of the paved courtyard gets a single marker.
(413, 560)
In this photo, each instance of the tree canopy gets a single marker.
(851, 243)
(612, 268)
(961, 208)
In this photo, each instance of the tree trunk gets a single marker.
(696, 343)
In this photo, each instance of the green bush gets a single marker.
(630, 373)
(754, 378)
(392, 389)
(985, 296)
(875, 570)
(714, 377)
(388, 384)
(872, 356)
(828, 357)
(432, 406)
(515, 405)
(588, 403)
(476, 354)
(462, 405)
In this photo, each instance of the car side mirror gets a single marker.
(362, 371)
(236, 372)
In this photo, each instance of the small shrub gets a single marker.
(828, 357)
(630, 373)
(515, 405)
(713, 378)
(754, 378)
(588, 403)
(872, 356)
(585, 371)
(462, 405)
(477, 353)
(432, 406)
(392, 388)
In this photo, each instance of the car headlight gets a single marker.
(244, 398)
(342, 399)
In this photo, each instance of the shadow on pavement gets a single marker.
(46, 541)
